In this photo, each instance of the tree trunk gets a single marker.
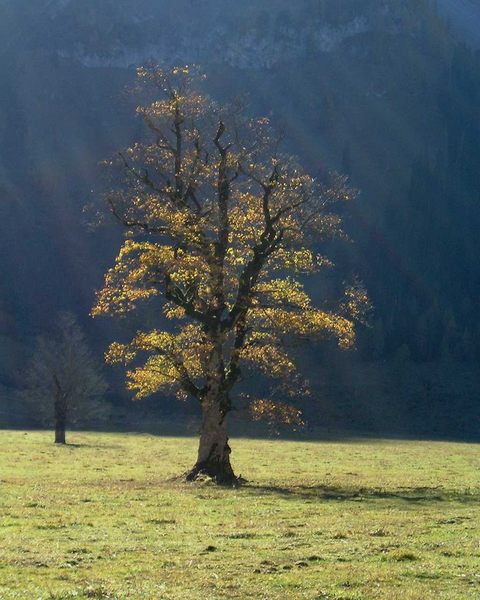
(214, 451)
(60, 410)
(59, 432)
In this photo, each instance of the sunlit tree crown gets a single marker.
(221, 226)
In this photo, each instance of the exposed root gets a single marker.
(226, 478)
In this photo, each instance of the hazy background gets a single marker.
(386, 91)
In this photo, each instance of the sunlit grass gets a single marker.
(103, 518)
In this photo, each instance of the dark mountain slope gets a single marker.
(464, 16)
(381, 90)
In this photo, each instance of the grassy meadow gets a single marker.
(104, 518)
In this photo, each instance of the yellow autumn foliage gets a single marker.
(219, 226)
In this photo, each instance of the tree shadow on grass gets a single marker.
(325, 493)
(75, 446)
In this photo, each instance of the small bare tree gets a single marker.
(63, 384)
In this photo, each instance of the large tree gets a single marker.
(63, 385)
(220, 226)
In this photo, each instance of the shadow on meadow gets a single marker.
(85, 445)
(338, 493)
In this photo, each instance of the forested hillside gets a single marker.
(384, 91)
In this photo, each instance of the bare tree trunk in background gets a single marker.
(60, 410)
(60, 432)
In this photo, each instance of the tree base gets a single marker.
(223, 475)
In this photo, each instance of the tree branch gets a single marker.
(133, 223)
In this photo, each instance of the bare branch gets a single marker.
(131, 223)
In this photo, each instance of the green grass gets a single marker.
(350, 520)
